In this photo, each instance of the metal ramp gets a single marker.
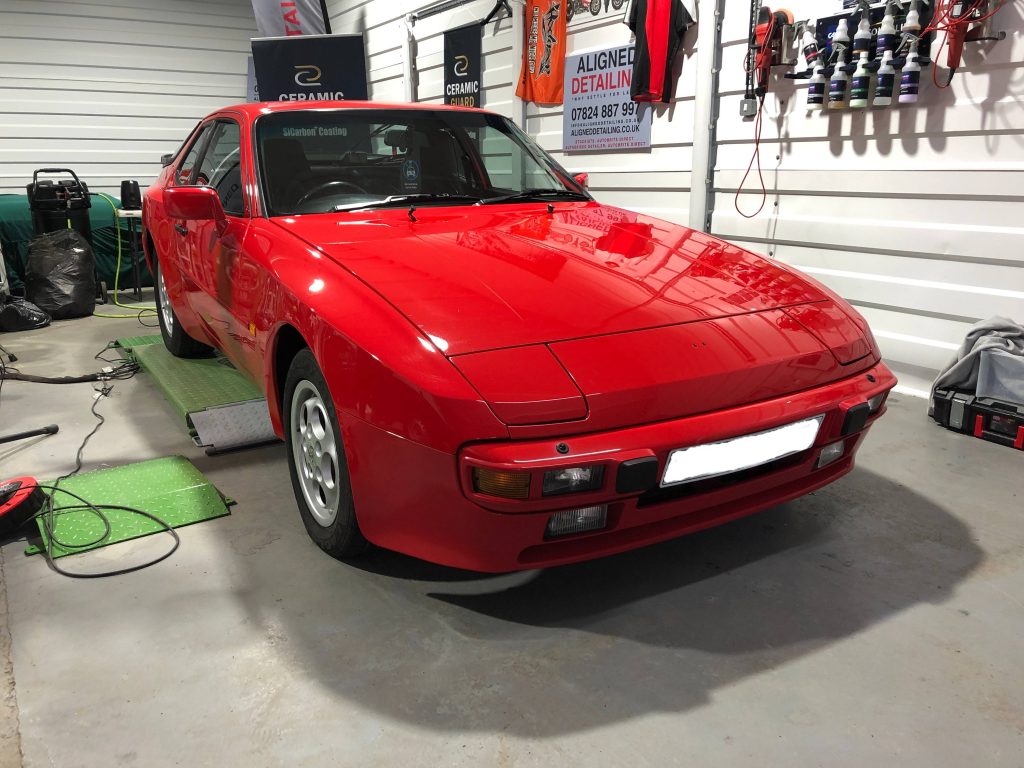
(221, 409)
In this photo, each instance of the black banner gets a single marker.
(310, 68)
(462, 66)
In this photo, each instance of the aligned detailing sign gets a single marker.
(599, 113)
(462, 66)
(310, 68)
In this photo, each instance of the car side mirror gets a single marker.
(167, 159)
(193, 204)
(583, 179)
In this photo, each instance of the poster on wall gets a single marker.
(462, 66)
(599, 113)
(310, 68)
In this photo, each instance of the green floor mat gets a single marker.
(128, 343)
(190, 385)
(170, 488)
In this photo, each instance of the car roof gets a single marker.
(252, 110)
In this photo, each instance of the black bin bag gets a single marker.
(20, 315)
(60, 275)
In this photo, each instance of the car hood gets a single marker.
(478, 278)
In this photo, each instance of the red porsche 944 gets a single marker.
(474, 362)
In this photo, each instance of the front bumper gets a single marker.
(436, 516)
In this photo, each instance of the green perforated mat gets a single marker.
(170, 488)
(190, 385)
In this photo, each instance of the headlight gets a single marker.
(573, 480)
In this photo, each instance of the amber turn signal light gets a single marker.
(501, 483)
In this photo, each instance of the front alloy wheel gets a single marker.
(316, 458)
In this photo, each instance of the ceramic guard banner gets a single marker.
(287, 18)
(462, 66)
(599, 113)
(310, 68)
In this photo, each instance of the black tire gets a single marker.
(177, 341)
(595, 7)
(305, 388)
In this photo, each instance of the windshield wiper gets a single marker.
(533, 194)
(400, 200)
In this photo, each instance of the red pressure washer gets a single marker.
(20, 499)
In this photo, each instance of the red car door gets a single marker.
(223, 300)
(181, 243)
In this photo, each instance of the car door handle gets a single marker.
(181, 229)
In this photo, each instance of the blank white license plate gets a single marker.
(698, 462)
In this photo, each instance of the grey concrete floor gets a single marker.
(879, 621)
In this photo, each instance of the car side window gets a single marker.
(187, 169)
(221, 167)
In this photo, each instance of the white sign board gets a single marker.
(599, 113)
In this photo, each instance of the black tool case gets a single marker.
(993, 420)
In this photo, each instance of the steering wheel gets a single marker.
(320, 189)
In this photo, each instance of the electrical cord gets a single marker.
(48, 514)
(756, 156)
(117, 273)
(122, 372)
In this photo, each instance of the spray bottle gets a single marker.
(887, 32)
(861, 83)
(912, 24)
(862, 37)
(839, 84)
(910, 79)
(810, 47)
(816, 88)
(841, 37)
(885, 81)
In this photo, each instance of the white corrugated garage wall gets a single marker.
(914, 213)
(107, 86)
(382, 25)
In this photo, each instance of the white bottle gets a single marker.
(912, 24)
(886, 34)
(910, 78)
(816, 88)
(841, 37)
(810, 48)
(862, 38)
(838, 86)
(884, 81)
(860, 84)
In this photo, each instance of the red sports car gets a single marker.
(474, 362)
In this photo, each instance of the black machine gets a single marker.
(131, 195)
(56, 204)
(984, 417)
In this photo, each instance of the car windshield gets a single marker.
(320, 161)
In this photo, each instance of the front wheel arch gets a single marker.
(288, 342)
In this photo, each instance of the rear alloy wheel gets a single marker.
(177, 341)
(316, 459)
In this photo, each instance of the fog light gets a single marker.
(876, 402)
(577, 521)
(501, 483)
(573, 480)
(831, 453)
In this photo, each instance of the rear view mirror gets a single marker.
(193, 204)
(583, 179)
(167, 159)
